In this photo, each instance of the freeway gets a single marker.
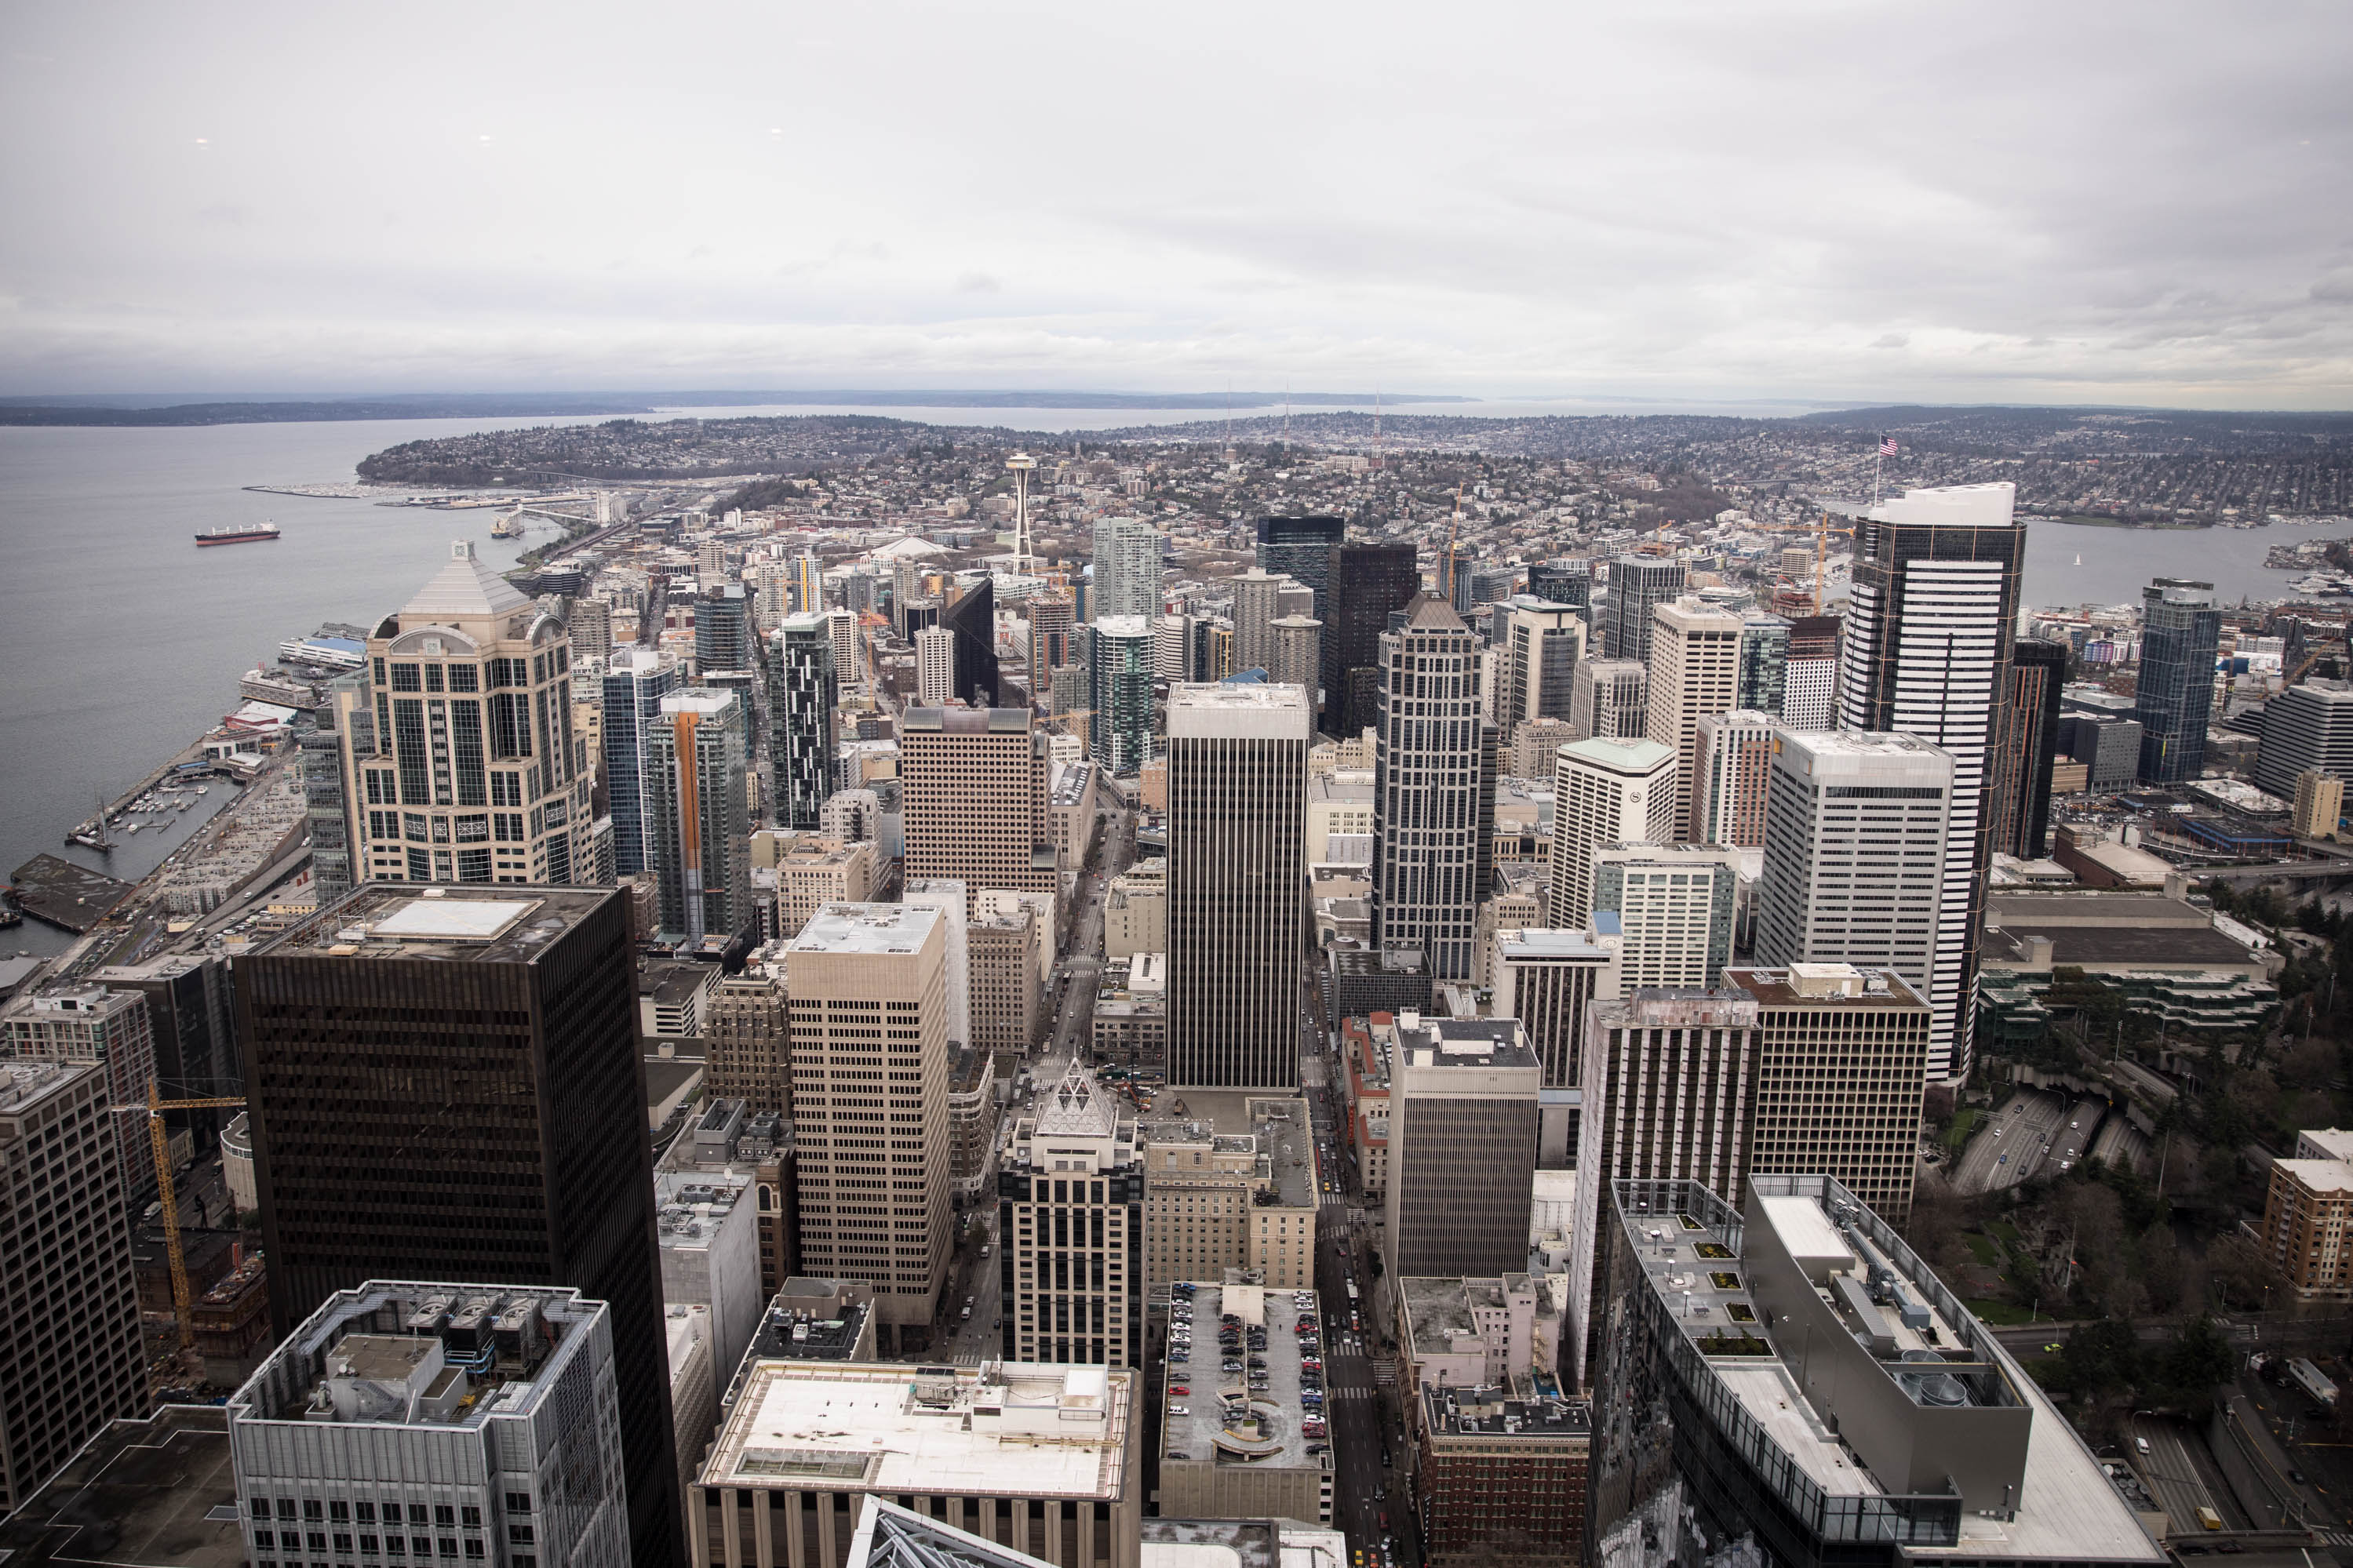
(2180, 1475)
(2011, 1147)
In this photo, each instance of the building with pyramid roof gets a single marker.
(459, 763)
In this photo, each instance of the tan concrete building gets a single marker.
(868, 985)
(2319, 804)
(1694, 675)
(1007, 1006)
(747, 1035)
(1135, 911)
(463, 764)
(1130, 1025)
(1209, 1155)
(812, 871)
(2308, 1216)
(973, 801)
(1072, 800)
(1045, 1459)
(1340, 804)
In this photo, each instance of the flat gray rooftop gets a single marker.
(140, 1494)
(467, 921)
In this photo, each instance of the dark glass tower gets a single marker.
(2180, 630)
(973, 619)
(722, 630)
(802, 691)
(1638, 584)
(1563, 583)
(2021, 788)
(1368, 582)
(1302, 547)
(446, 1083)
(636, 680)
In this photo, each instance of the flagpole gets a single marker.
(1877, 463)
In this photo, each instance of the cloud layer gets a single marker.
(2139, 202)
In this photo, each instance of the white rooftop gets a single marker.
(452, 919)
(866, 928)
(1010, 1429)
(1953, 506)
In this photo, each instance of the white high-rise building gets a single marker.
(1694, 675)
(934, 667)
(1127, 569)
(1674, 905)
(1927, 651)
(1604, 792)
(1427, 780)
(1855, 864)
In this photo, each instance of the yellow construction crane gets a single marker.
(161, 1140)
(1821, 532)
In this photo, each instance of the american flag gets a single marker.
(1887, 446)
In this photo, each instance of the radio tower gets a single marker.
(1021, 463)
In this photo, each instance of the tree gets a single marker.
(2101, 1358)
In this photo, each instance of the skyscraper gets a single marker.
(1236, 843)
(1564, 581)
(974, 796)
(1674, 904)
(1639, 584)
(1732, 776)
(1298, 654)
(76, 1021)
(973, 619)
(1694, 675)
(803, 692)
(1464, 1095)
(2180, 631)
(1119, 666)
(1842, 1064)
(1545, 979)
(1810, 676)
(1544, 643)
(1427, 773)
(503, 1141)
(1171, 649)
(72, 1360)
(936, 667)
(2021, 786)
(470, 772)
(869, 1000)
(1070, 1216)
(1926, 650)
(1855, 863)
(697, 755)
(2309, 725)
(1670, 1076)
(489, 1413)
(1127, 569)
(1608, 699)
(636, 680)
(1604, 792)
(1256, 609)
(1052, 619)
(1764, 661)
(724, 634)
(1369, 582)
(1305, 550)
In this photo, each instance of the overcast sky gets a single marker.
(2136, 202)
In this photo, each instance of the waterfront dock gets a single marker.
(61, 894)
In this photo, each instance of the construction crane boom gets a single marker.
(161, 1142)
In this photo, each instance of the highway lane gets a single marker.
(2174, 1476)
(2006, 1151)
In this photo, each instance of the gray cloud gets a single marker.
(2109, 200)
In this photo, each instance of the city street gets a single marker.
(1363, 1431)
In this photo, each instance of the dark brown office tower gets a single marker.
(973, 619)
(1304, 547)
(2020, 786)
(446, 1083)
(1368, 582)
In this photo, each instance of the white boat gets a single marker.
(2079, 561)
(133, 827)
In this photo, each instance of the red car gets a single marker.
(1179, 1388)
